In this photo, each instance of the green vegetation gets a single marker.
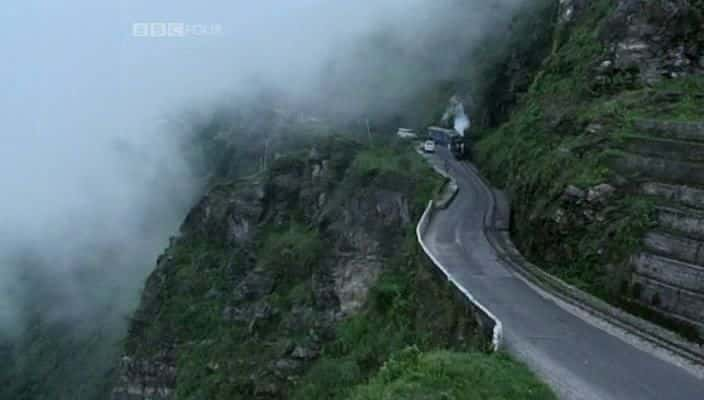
(408, 311)
(446, 375)
(414, 341)
(231, 315)
(407, 307)
(546, 146)
(567, 128)
(216, 354)
(296, 245)
(395, 165)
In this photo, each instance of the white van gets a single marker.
(429, 146)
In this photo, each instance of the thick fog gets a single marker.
(93, 180)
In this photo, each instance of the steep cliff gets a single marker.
(65, 346)
(300, 282)
(601, 156)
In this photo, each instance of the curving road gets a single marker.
(580, 361)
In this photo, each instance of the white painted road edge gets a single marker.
(498, 331)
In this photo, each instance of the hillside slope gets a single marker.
(302, 283)
(601, 157)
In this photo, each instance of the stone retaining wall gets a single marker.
(500, 238)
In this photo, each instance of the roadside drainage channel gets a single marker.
(496, 229)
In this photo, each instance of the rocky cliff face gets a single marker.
(265, 271)
(601, 155)
(646, 41)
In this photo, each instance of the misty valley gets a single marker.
(390, 199)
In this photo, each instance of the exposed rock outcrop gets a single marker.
(263, 304)
(648, 41)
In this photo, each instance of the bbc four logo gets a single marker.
(174, 29)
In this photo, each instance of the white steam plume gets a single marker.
(462, 122)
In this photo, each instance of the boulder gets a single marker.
(305, 353)
(600, 193)
(248, 314)
(266, 389)
(254, 286)
(574, 193)
(225, 215)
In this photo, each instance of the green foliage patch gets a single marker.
(396, 166)
(445, 375)
(413, 340)
(294, 247)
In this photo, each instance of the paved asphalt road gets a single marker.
(577, 359)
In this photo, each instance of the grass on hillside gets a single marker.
(294, 245)
(390, 164)
(410, 311)
(444, 375)
(413, 341)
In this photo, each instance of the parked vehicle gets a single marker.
(429, 146)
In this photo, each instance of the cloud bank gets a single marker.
(93, 178)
